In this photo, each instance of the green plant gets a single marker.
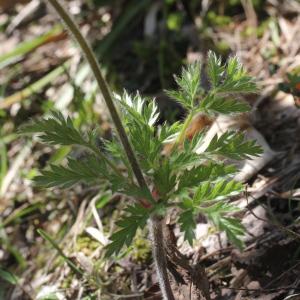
(194, 183)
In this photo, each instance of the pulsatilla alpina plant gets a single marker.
(195, 183)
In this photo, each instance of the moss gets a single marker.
(86, 244)
(141, 251)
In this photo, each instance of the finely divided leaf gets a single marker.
(215, 70)
(189, 86)
(180, 97)
(116, 150)
(219, 190)
(230, 77)
(86, 170)
(136, 217)
(232, 227)
(236, 80)
(140, 117)
(55, 130)
(138, 109)
(219, 207)
(120, 184)
(187, 225)
(189, 82)
(164, 179)
(168, 133)
(233, 145)
(145, 143)
(193, 177)
(217, 105)
(181, 160)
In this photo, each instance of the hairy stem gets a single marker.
(159, 256)
(87, 50)
(156, 224)
(185, 126)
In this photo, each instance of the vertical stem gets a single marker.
(86, 49)
(159, 256)
(185, 126)
(156, 225)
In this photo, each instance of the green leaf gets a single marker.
(117, 152)
(215, 70)
(233, 145)
(182, 160)
(55, 130)
(86, 170)
(219, 207)
(219, 190)
(187, 157)
(180, 97)
(168, 133)
(121, 185)
(138, 109)
(193, 177)
(232, 227)
(163, 178)
(236, 79)
(230, 77)
(136, 217)
(188, 225)
(202, 193)
(8, 277)
(140, 117)
(222, 171)
(145, 143)
(189, 86)
(217, 105)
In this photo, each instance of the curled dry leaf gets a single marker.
(97, 235)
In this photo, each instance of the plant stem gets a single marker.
(185, 126)
(155, 224)
(159, 256)
(87, 50)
